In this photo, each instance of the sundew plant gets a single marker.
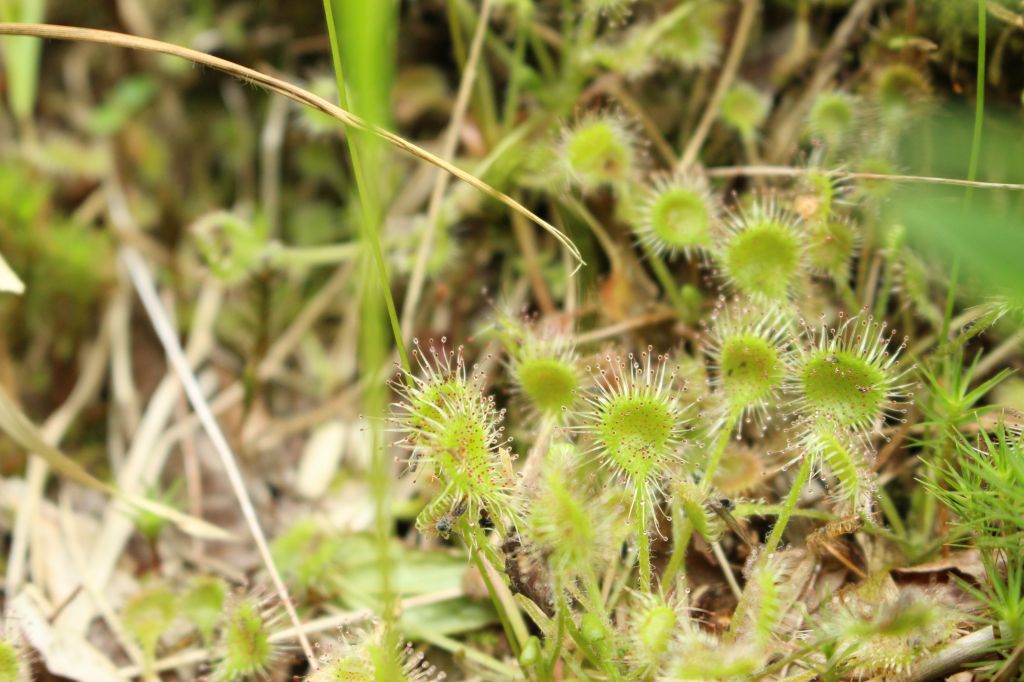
(549, 340)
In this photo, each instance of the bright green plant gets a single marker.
(245, 647)
(763, 253)
(678, 215)
(628, 471)
(372, 659)
(745, 108)
(547, 373)
(454, 432)
(599, 151)
(833, 118)
(749, 353)
(203, 605)
(636, 428)
(148, 615)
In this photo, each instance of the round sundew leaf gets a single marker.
(751, 369)
(763, 260)
(203, 604)
(549, 383)
(831, 244)
(426, 412)
(597, 153)
(832, 116)
(692, 40)
(463, 456)
(654, 631)
(680, 219)
(900, 87)
(636, 431)
(563, 524)
(148, 615)
(844, 387)
(740, 471)
(247, 647)
(745, 108)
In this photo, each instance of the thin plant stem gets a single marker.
(594, 592)
(979, 101)
(892, 515)
(642, 539)
(720, 445)
(486, 107)
(784, 513)
(794, 172)
(682, 531)
(672, 290)
(556, 649)
(802, 476)
(947, 318)
(371, 210)
(602, 236)
(547, 66)
(515, 69)
(723, 563)
(455, 31)
(846, 293)
(882, 302)
(458, 648)
(515, 628)
(478, 561)
(528, 245)
(311, 256)
(366, 157)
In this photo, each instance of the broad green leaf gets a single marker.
(451, 617)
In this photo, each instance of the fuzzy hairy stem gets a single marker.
(661, 271)
(476, 540)
(952, 658)
(643, 541)
(682, 531)
(802, 476)
(716, 455)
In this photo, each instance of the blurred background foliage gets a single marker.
(216, 182)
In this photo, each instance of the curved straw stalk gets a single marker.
(289, 90)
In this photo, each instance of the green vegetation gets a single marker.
(542, 340)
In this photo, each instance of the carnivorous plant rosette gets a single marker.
(636, 424)
(454, 432)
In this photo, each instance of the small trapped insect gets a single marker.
(723, 508)
(445, 524)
